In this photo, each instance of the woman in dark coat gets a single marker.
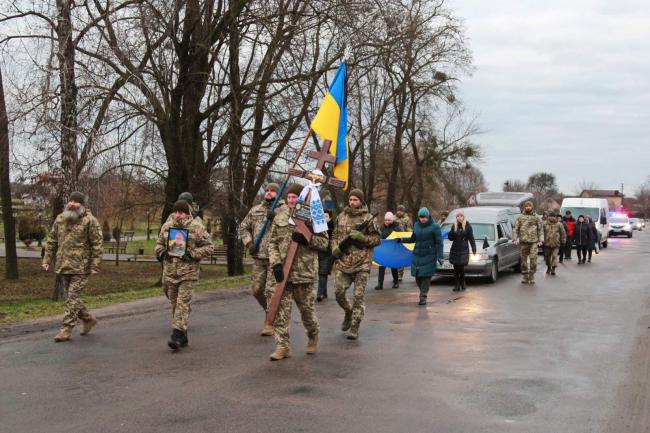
(582, 236)
(462, 236)
(325, 260)
(427, 253)
(593, 245)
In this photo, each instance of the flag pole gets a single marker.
(260, 235)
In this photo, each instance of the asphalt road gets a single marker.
(570, 354)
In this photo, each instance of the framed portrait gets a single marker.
(177, 242)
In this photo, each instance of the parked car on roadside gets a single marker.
(619, 225)
(636, 224)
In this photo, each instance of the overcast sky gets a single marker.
(561, 86)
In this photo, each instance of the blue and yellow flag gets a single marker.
(331, 123)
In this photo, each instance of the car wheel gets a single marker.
(494, 272)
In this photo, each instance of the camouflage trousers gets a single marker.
(74, 308)
(180, 296)
(528, 252)
(551, 256)
(342, 282)
(259, 277)
(304, 296)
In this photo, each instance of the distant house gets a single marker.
(614, 197)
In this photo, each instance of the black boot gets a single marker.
(456, 285)
(462, 284)
(548, 269)
(185, 341)
(176, 340)
(395, 285)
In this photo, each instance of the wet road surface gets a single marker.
(569, 354)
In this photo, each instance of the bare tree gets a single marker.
(11, 260)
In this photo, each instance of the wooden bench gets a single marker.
(220, 253)
(109, 247)
(128, 236)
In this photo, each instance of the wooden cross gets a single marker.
(323, 157)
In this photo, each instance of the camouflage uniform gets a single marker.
(300, 281)
(354, 265)
(406, 224)
(528, 231)
(554, 237)
(248, 231)
(179, 275)
(76, 250)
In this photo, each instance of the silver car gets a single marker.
(495, 252)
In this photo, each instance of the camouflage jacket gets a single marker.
(358, 256)
(252, 224)
(76, 247)
(405, 222)
(554, 234)
(199, 245)
(305, 264)
(528, 228)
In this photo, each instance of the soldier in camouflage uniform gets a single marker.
(353, 264)
(300, 281)
(180, 274)
(529, 233)
(554, 238)
(248, 231)
(405, 222)
(75, 246)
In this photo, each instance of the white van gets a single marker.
(596, 208)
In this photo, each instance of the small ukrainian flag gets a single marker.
(331, 123)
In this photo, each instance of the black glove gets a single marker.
(270, 215)
(300, 238)
(278, 273)
(252, 249)
(187, 257)
(162, 256)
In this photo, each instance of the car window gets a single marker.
(507, 229)
(500, 232)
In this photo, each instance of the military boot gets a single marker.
(184, 341)
(531, 279)
(312, 345)
(176, 340)
(88, 325)
(553, 270)
(280, 353)
(347, 321)
(524, 278)
(63, 335)
(548, 270)
(354, 333)
(268, 330)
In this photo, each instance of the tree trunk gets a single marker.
(11, 260)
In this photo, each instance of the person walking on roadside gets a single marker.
(427, 253)
(389, 226)
(566, 237)
(405, 222)
(593, 245)
(353, 247)
(74, 249)
(249, 229)
(462, 237)
(570, 221)
(325, 260)
(582, 236)
(554, 237)
(181, 272)
(529, 233)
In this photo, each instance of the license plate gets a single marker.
(446, 265)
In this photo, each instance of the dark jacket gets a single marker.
(594, 235)
(385, 231)
(325, 258)
(582, 234)
(461, 241)
(428, 248)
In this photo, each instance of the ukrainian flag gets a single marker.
(331, 123)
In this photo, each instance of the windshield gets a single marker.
(586, 211)
(481, 231)
(619, 220)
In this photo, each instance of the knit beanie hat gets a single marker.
(273, 187)
(358, 194)
(78, 197)
(181, 206)
(401, 208)
(295, 188)
(187, 196)
(424, 212)
(389, 217)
